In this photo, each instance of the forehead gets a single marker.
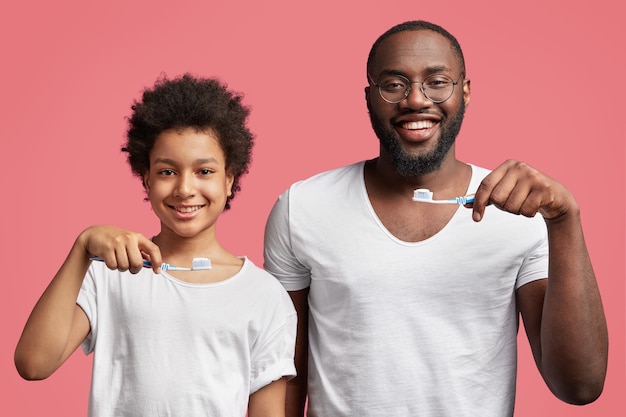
(415, 52)
(187, 144)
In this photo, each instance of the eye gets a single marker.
(393, 84)
(166, 172)
(205, 171)
(437, 82)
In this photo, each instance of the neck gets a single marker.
(446, 176)
(173, 246)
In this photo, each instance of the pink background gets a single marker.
(547, 83)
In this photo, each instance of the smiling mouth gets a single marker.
(422, 124)
(186, 209)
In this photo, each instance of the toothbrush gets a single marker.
(426, 196)
(197, 264)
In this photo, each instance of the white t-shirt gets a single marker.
(397, 328)
(164, 347)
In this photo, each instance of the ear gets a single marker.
(466, 92)
(146, 181)
(230, 179)
(368, 92)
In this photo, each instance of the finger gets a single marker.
(532, 204)
(510, 194)
(135, 259)
(109, 259)
(151, 252)
(482, 198)
(121, 258)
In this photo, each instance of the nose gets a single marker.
(185, 186)
(415, 97)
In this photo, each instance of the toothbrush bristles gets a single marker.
(422, 194)
(199, 264)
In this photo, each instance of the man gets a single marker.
(409, 308)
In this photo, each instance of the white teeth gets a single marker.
(188, 209)
(422, 124)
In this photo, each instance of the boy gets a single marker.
(215, 341)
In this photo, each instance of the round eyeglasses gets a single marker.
(395, 88)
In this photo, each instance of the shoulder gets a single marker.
(325, 187)
(259, 277)
(317, 192)
(329, 179)
(265, 286)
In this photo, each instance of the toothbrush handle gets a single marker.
(146, 263)
(466, 199)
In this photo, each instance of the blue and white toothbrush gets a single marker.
(197, 264)
(424, 195)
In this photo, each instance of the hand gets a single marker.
(518, 188)
(120, 249)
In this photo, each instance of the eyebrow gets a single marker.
(440, 68)
(428, 71)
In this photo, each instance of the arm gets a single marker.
(57, 326)
(281, 261)
(297, 387)
(269, 401)
(563, 316)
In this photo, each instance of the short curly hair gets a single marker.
(190, 102)
(415, 25)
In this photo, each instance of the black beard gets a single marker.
(412, 166)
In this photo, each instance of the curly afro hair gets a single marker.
(190, 102)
